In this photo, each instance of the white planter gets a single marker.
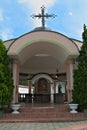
(73, 108)
(15, 108)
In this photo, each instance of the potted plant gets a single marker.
(79, 92)
(6, 82)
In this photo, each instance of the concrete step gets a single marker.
(35, 115)
(42, 118)
(60, 108)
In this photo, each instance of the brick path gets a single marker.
(42, 126)
(77, 127)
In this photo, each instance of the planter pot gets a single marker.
(73, 108)
(15, 108)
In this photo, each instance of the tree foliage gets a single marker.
(80, 75)
(6, 82)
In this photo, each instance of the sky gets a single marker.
(16, 20)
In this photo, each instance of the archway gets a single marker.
(43, 88)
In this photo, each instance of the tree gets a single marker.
(79, 93)
(6, 82)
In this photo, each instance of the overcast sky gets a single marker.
(16, 20)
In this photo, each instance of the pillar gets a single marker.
(52, 94)
(69, 85)
(54, 86)
(57, 87)
(15, 80)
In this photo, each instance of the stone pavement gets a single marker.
(39, 126)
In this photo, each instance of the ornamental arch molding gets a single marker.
(36, 77)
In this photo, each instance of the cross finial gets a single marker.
(42, 16)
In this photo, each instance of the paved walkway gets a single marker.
(38, 126)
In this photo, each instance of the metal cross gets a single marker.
(43, 16)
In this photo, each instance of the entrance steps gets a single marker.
(46, 113)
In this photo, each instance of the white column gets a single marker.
(15, 80)
(52, 94)
(56, 87)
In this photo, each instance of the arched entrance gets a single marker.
(43, 88)
(43, 51)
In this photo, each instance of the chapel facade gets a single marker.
(45, 59)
